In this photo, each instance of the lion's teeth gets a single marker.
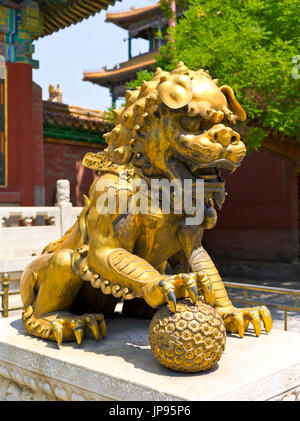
(232, 171)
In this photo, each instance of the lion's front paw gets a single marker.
(69, 327)
(237, 320)
(168, 289)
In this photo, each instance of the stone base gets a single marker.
(122, 367)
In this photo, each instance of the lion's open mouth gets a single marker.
(218, 163)
(218, 147)
(214, 182)
(209, 170)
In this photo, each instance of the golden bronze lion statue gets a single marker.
(177, 126)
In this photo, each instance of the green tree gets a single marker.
(249, 45)
(140, 77)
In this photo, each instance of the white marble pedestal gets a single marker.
(121, 367)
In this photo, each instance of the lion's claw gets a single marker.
(94, 327)
(206, 287)
(188, 281)
(78, 329)
(168, 291)
(68, 328)
(238, 320)
(190, 284)
(266, 318)
(255, 320)
(57, 330)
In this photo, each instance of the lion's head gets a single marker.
(177, 117)
(178, 125)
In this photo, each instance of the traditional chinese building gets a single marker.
(69, 132)
(145, 23)
(22, 177)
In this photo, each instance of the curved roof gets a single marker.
(58, 14)
(124, 19)
(63, 115)
(125, 71)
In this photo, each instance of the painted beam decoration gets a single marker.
(18, 28)
(23, 22)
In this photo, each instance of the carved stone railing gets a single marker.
(25, 231)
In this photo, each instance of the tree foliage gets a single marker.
(249, 45)
(141, 76)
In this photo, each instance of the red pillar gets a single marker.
(38, 146)
(23, 117)
(19, 118)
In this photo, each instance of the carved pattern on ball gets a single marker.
(191, 340)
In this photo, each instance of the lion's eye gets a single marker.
(192, 124)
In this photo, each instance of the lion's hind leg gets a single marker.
(48, 289)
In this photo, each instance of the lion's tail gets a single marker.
(55, 245)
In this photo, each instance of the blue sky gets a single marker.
(89, 45)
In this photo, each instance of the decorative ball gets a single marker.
(191, 340)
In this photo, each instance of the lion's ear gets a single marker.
(233, 104)
(176, 92)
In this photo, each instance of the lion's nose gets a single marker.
(224, 135)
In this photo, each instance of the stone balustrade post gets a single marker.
(5, 289)
(63, 202)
